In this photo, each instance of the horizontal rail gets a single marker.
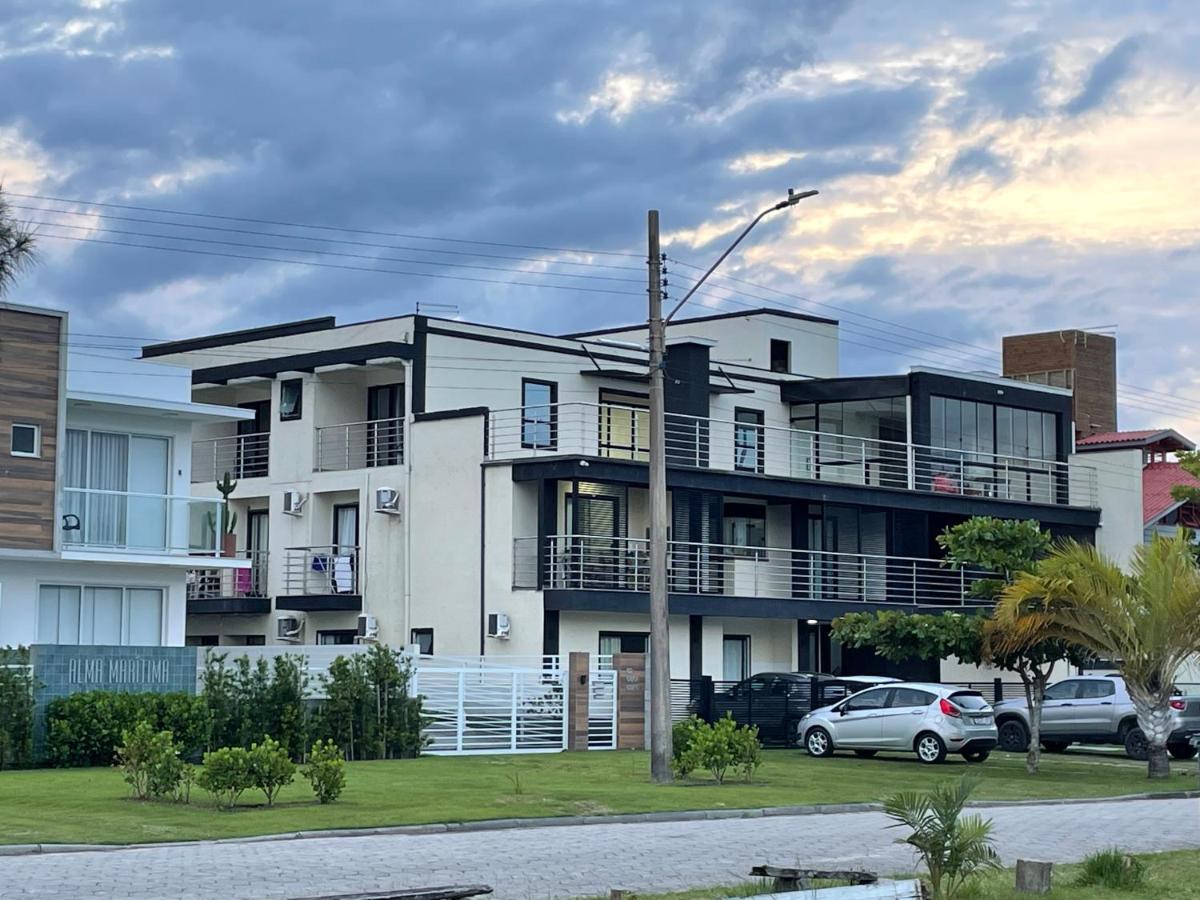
(622, 432)
(359, 445)
(241, 455)
(98, 519)
(575, 562)
(320, 571)
(212, 584)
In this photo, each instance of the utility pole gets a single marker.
(660, 639)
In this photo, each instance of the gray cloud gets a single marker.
(979, 161)
(1108, 72)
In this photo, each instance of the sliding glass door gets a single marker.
(116, 488)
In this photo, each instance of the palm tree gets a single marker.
(16, 247)
(1147, 621)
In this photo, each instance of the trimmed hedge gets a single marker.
(85, 729)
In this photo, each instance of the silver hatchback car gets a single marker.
(928, 719)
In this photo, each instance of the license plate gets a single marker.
(983, 720)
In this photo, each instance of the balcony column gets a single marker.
(686, 401)
(547, 525)
(695, 646)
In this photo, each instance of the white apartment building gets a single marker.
(482, 490)
(98, 527)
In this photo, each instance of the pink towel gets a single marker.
(242, 581)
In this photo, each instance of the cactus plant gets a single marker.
(225, 487)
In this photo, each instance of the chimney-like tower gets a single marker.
(1081, 360)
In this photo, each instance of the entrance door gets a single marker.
(343, 573)
(252, 441)
(385, 409)
(257, 537)
(596, 558)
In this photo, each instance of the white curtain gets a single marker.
(105, 608)
(75, 476)
(108, 471)
(145, 616)
(58, 614)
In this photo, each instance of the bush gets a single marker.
(716, 747)
(1112, 869)
(270, 768)
(183, 788)
(226, 775)
(149, 762)
(16, 708)
(326, 771)
(245, 699)
(85, 729)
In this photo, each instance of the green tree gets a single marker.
(16, 707)
(16, 247)
(1001, 546)
(1189, 461)
(1148, 620)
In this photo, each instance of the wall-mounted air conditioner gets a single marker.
(368, 629)
(387, 500)
(498, 626)
(289, 628)
(293, 503)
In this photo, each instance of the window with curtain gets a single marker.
(100, 615)
(101, 470)
(624, 426)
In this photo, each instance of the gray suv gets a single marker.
(1093, 709)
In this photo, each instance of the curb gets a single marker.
(696, 815)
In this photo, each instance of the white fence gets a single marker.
(602, 709)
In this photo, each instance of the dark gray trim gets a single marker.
(761, 311)
(321, 603)
(302, 362)
(829, 390)
(245, 335)
(465, 412)
(695, 646)
(550, 632)
(420, 359)
(229, 606)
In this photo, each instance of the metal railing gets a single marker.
(241, 455)
(575, 562)
(223, 583)
(94, 519)
(619, 432)
(320, 571)
(359, 445)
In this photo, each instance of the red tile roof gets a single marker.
(1117, 437)
(1166, 439)
(1157, 480)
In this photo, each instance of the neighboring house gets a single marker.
(1152, 453)
(482, 490)
(98, 528)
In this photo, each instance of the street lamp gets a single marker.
(660, 655)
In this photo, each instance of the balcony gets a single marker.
(587, 429)
(359, 445)
(241, 455)
(223, 591)
(130, 522)
(575, 562)
(320, 579)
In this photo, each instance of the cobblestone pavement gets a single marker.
(575, 860)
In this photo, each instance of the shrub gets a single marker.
(1112, 869)
(149, 762)
(716, 747)
(85, 729)
(16, 708)
(747, 751)
(226, 774)
(243, 700)
(683, 736)
(326, 771)
(183, 788)
(270, 768)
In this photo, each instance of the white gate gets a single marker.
(602, 710)
(474, 709)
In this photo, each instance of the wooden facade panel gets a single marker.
(1092, 358)
(30, 390)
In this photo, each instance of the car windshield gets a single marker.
(968, 700)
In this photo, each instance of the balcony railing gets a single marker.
(227, 583)
(140, 523)
(359, 445)
(616, 432)
(575, 562)
(241, 455)
(320, 571)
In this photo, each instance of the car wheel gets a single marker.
(976, 756)
(818, 742)
(1055, 746)
(865, 754)
(1182, 751)
(1136, 746)
(1014, 736)
(930, 748)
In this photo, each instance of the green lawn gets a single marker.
(92, 805)
(1169, 876)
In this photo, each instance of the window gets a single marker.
(1094, 690)
(745, 528)
(118, 616)
(735, 650)
(26, 440)
(1064, 690)
(423, 638)
(623, 642)
(968, 700)
(781, 356)
(338, 636)
(624, 426)
(867, 700)
(291, 399)
(538, 415)
(908, 697)
(748, 440)
(115, 485)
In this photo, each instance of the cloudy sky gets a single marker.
(984, 168)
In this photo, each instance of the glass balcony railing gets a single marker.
(141, 523)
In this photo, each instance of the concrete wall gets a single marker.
(1119, 489)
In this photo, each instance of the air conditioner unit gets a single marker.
(289, 628)
(498, 626)
(387, 500)
(368, 629)
(293, 503)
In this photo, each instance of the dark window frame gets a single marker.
(298, 413)
(415, 636)
(609, 399)
(621, 636)
(36, 452)
(551, 420)
(744, 640)
(780, 345)
(340, 634)
(759, 426)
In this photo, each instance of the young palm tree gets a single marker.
(1147, 621)
(16, 247)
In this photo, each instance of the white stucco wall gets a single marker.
(1119, 489)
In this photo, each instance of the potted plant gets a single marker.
(225, 487)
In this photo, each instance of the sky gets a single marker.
(984, 168)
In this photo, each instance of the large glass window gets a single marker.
(118, 616)
(116, 486)
(745, 528)
(624, 426)
(748, 440)
(735, 662)
(986, 428)
(538, 399)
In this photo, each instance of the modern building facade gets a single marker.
(482, 490)
(98, 528)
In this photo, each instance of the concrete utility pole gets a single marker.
(660, 635)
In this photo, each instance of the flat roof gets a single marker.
(760, 311)
(242, 336)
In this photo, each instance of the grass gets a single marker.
(93, 805)
(1169, 876)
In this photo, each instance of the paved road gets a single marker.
(574, 860)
